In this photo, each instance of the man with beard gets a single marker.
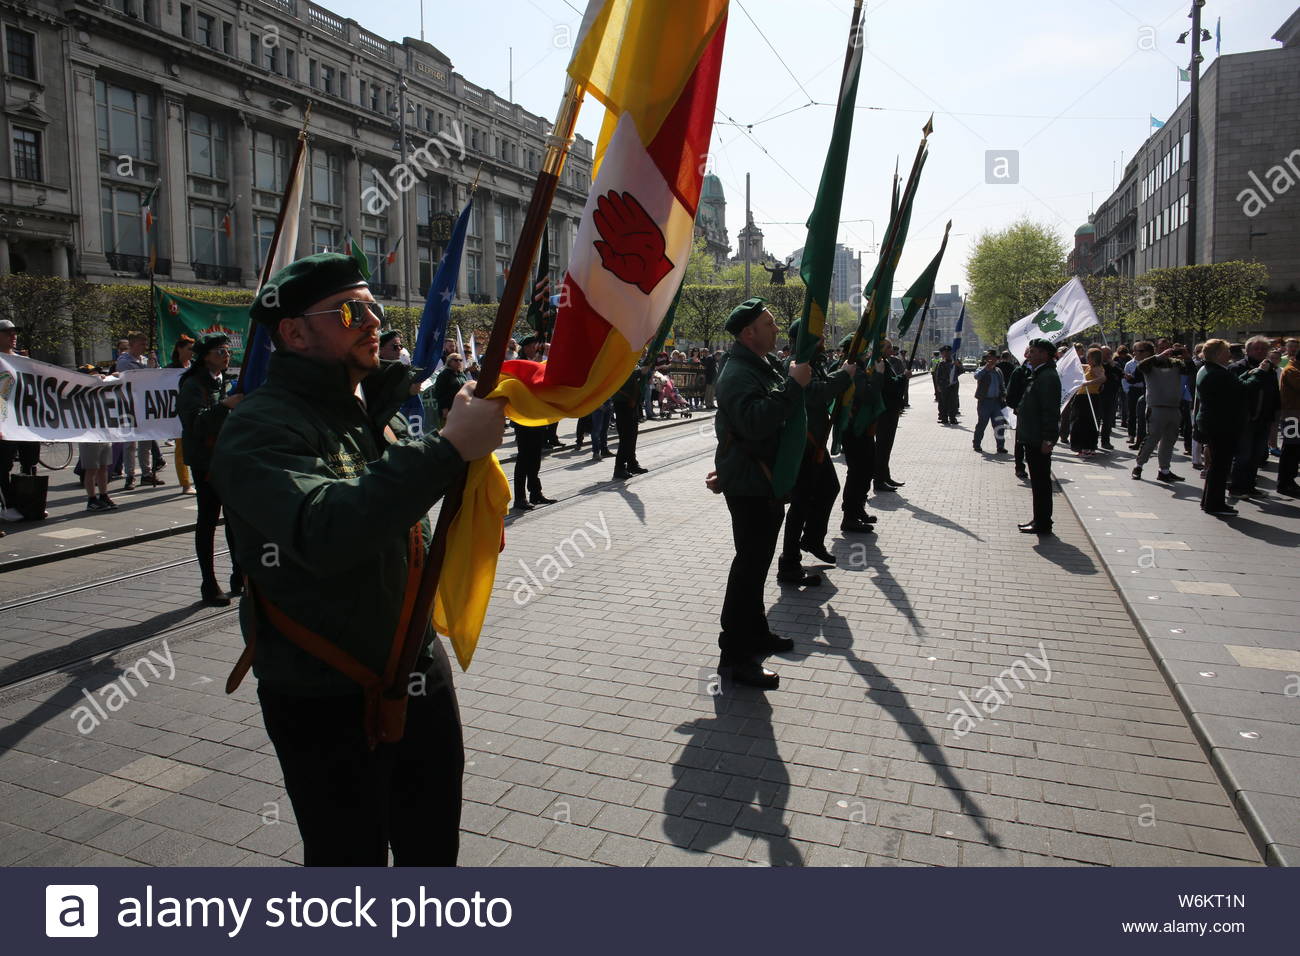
(328, 502)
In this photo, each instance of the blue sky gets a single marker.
(1070, 86)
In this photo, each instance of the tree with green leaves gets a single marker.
(1197, 300)
(1000, 263)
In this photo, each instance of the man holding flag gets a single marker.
(328, 500)
(1038, 418)
(756, 397)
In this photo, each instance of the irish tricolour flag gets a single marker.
(654, 66)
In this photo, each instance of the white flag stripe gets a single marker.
(1066, 313)
(629, 168)
(286, 251)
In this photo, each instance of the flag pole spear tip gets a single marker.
(928, 128)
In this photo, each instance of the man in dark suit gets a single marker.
(945, 376)
(1252, 443)
(1037, 427)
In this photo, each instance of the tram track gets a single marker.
(65, 662)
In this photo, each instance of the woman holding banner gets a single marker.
(204, 404)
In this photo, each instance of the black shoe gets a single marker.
(1108, 446)
(1168, 476)
(886, 490)
(213, 596)
(94, 504)
(1032, 528)
(752, 674)
(541, 500)
(894, 484)
(818, 550)
(869, 519)
(1002, 450)
(637, 469)
(776, 644)
(1022, 474)
(856, 526)
(799, 578)
(1027, 524)
(1289, 489)
(130, 485)
(622, 474)
(236, 585)
(978, 448)
(1226, 511)
(522, 506)
(1137, 473)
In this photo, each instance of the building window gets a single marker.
(290, 65)
(207, 146)
(27, 154)
(312, 71)
(264, 230)
(227, 38)
(372, 246)
(206, 33)
(270, 163)
(374, 97)
(254, 41)
(20, 46)
(502, 266)
(122, 222)
(270, 57)
(326, 178)
(124, 121)
(474, 229)
(474, 273)
(325, 239)
(502, 225)
(187, 18)
(209, 242)
(327, 79)
(1187, 146)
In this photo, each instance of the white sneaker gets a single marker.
(11, 514)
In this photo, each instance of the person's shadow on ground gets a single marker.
(731, 756)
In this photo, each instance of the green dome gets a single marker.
(712, 188)
(1087, 229)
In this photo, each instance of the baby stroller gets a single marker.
(670, 401)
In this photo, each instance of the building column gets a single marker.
(351, 194)
(4, 255)
(59, 260)
(408, 263)
(245, 224)
(87, 230)
(172, 229)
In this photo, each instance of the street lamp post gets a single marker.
(1194, 124)
(401, 151)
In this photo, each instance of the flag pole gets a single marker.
(548, 180)
(916, 343)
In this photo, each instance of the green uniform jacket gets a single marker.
(1017, 382)
(198, 403)
(1038, 416)
(320, 504)
(445, 387)
(755, 397)
(823, 389)
(1221, 395)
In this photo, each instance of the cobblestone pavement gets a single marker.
(1218, 602)
(593, 736)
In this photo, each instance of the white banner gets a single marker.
(1070, 370)
(40, 402)
(1066, 313)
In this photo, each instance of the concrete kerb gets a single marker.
(1252, 821)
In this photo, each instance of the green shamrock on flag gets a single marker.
(1046, 322)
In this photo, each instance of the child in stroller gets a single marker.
(669, 400)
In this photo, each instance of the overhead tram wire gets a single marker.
(777, 52)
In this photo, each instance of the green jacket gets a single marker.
(823, 389)
(198, 402)
(446, 385)
(319, 504)
(755, 397)
(1221, 401)
(1038, 416)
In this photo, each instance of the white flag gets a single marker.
(460, 345)
(1066, 313)
(1070, 370)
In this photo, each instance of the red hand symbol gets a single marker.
(631, 244)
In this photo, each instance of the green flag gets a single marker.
(178, 315)
(359, 256)
(918, 295)
(538, 305)
(818, 261)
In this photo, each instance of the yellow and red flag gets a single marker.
(654, 65)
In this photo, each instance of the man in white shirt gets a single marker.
(134, 358)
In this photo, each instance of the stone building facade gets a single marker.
(104, 101)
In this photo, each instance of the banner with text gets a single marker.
(40, 402)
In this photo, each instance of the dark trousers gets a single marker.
(948, 403)
(860, 457)
(886, 432)
(528, 461)
(584, 426)
(1185, 425)
(810, 506)
(353, 803)
(1040, 482)
(1107, 413)
(1134, 421)
(1020, 456)
(755, 525)
(600, 429)
(625, 420)
(205, 531)
(1251, 453)
(26, 454)
(1288, 465)
(553, 433)
(1219, 451)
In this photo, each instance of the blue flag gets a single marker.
(437, 306)
(1156, 124)
(257, 359)
(956, 338)
(1218, 36)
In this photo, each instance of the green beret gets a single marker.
(301, 284)
(744, 314)
(528, 340)
(1047, 345)
(846, 341)
(207, 343)
(388, 336)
